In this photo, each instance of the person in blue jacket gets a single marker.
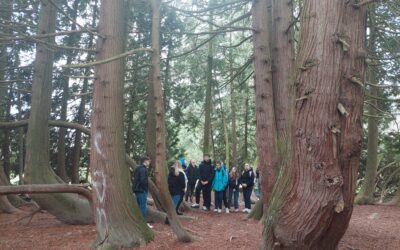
(219, 183)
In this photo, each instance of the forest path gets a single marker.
(371, 227)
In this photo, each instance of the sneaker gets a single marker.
(227, 210)
(244, 210)
(205, 208)
(195, 205)
(215, 210)
(236, 210)
(219, 211)
(248, 211)
(150, 226)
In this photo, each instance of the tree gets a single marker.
(117, 216)
(312, 200)
(66, 207)
(366, 194)
(266, 135)
(207, 136)
(158, 106)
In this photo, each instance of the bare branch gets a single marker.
(106, 60)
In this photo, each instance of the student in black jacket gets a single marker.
(206, 176)
(233, 188)
(140, 184)
(192, 174)
(176, 185)
(247, 182)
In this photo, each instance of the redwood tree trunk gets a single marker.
(313, 200)
(282, 74)
(69, 208)
(160, 154)
(117, 216)
(265, 117)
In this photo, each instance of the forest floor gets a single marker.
(371, 227)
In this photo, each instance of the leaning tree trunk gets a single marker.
(160, 160)
(265, 117)
(117, 216)
(312, 202)
(69, 208)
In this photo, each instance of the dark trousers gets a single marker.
(247, 194)
(206, 194)
(189, 191)
(224, 197)
(235, 195)
(218, 199)
(179, 202)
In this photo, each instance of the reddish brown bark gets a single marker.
(265, 115)
(117, 216)
(158, 105)
(313, 199)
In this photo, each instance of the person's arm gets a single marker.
(182, 181)
(143, 178)
(251, 179)
(212, 174)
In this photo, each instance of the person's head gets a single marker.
(206, 157)
(193, 162)
(234, 170)
(178, 165)
(145, 161)
(247, 166)
(218, 164)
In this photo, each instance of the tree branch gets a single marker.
(48, 188)
(94, 63)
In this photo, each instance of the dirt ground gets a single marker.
(371, 227)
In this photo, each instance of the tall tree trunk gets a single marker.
(225, 129)
(5, 14)
(76, 153)
(235, 161)
(312, 201)
(246, 128)
(282, 73)
(61, 154)
(266, 134)
(207, 136)
(366, 195)
(69, 208)
(158, 105)
(117, 216)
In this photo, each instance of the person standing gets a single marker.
(247, 182)
(206, 176)
(219, 183)
(182, 194)
(224, 195)
(233, 189)
(258, 190)
(140, 184)
(192, 173)
(176, 185)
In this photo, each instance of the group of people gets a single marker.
(184, 182)
(192, 180)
